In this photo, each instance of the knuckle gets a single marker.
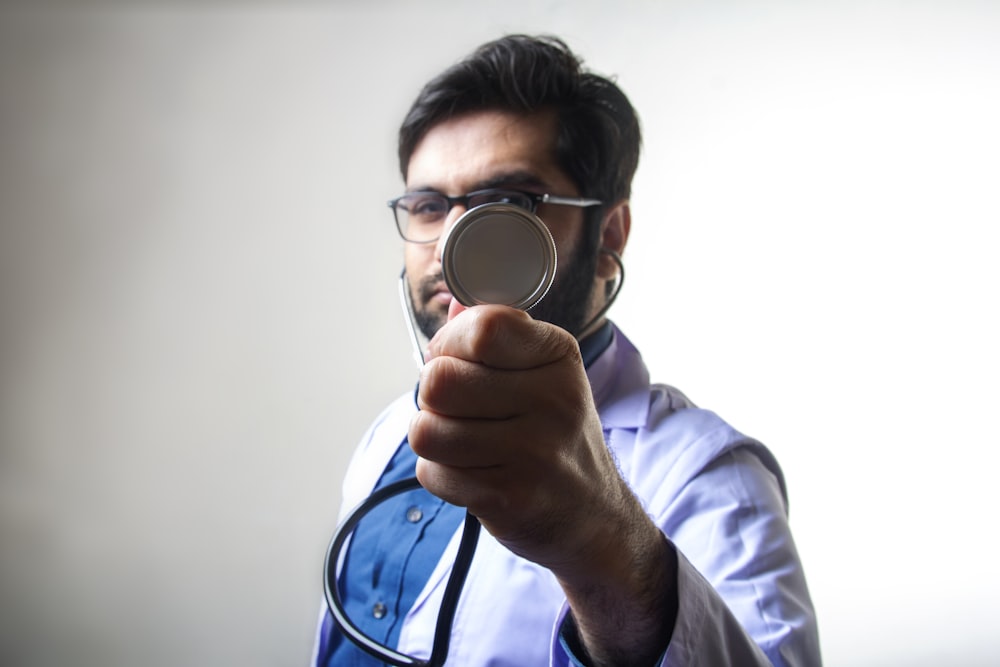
(437, 378)
(419, 434)
(486, 331)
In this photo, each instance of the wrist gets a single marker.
(623, 607)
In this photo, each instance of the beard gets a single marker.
(566, 304)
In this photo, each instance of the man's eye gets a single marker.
(502, 197)
(505, 197)
(426, 206)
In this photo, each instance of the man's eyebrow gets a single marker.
(511, 179)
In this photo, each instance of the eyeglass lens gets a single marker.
(420, 215)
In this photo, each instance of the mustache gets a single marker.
(428, 286)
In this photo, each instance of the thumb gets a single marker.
(454, 308)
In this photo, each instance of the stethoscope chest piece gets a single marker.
(499, 254)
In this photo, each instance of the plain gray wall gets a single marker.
(199, 318)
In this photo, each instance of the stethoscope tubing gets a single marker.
(449, 602)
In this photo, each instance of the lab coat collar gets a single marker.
(619, 381)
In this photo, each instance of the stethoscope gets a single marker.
(493, 254)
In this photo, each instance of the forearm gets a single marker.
(623, 608)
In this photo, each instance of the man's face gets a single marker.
(493, 149)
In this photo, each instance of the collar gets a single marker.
(619, 381)
(592, 346)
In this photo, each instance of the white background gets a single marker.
(198, 314)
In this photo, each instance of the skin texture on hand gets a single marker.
(507, 427)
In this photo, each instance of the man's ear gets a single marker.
(614, 235)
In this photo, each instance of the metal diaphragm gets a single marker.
(499, 254)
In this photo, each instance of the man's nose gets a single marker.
(450, 219)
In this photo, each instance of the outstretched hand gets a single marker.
(507, 428)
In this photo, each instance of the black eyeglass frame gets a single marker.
(532, 198)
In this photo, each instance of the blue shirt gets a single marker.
(395, 548)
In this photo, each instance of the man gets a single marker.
(623, 526)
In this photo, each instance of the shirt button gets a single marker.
(378, 611)
(414, 514)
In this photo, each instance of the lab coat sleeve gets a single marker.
(706, 634)
(742, 598)
(730, 526)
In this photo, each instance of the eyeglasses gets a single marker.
(420, 215)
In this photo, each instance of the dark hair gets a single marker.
(598, 138)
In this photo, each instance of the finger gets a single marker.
(524, 442)
(517, 504)
(474, 489)
(454, 308)
(459, 388)
(460, 443)
(502, 337)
